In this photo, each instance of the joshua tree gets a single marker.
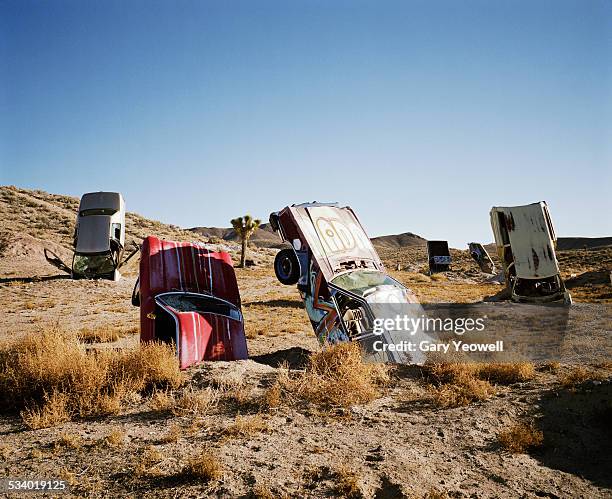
(245, 227)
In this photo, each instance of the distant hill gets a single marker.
(573, 243)
(406, 239)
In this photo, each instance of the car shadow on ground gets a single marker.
(9, 280)
(294, 357)
(281, 303)
(577, 431)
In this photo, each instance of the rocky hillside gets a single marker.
(31, 220)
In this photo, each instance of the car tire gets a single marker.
(136, 294)
(287, 267)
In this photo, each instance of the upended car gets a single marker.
(339, 275)
(480, 255)
(526, 241)
(188, 296)
(99, 238)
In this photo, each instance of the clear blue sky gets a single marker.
(419, 114)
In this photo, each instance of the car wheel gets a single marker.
(287, 266)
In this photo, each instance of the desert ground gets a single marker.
(282, 424)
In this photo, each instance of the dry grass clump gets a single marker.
(162, 401)
(337, 376)
(436, 494)
(262, 491)
(51, 377)
(68, 441)
(438, 277)
(240, 396)
(115, 438)
(506, 374)
(172, 436)
(578, 375)
(204, 466)
(520, 437)
(456, 385)
(99, 335)
(51, 411)
(5, 451)
(551, 366)
(147, 464)
(347, 483)
(462, 393)
(246, 426)
(196, 402)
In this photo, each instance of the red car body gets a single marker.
(189, 295)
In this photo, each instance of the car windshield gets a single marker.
(200, 303)
(360, 281)
(97, 211)
(93, 264)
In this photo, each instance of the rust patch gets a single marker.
(510, 225)
(536, 260)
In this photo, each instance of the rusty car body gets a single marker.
(526, 242)
(338, 273)
(188, 296)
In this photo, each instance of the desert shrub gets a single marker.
(52, 411)
(462, 392)
(520, 437)
(578, 375)
(51, 377)
(204, 466)
(337, 376)
(147, 463)
(162, 401)
(506, 374)
(68, 441)
(196, 402)
(448, 373)
(114, 438)
(347, 483)
(262, 491)
(456, 385)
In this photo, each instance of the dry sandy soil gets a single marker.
(404, 443)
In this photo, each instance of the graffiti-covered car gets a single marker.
(338, 273)
(526, 241)
(188, 295)
(480, 255)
